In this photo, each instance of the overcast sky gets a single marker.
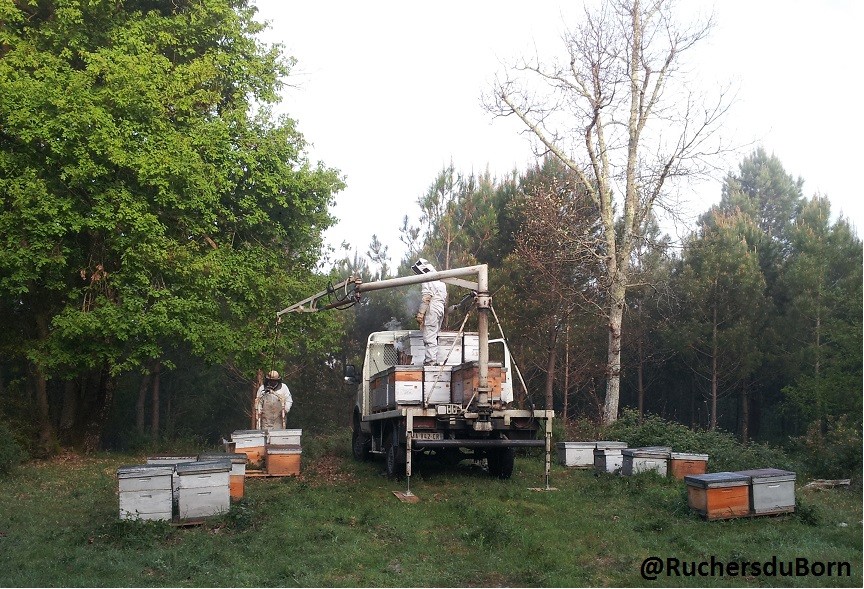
(389, 93)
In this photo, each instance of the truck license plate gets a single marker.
(428, 436)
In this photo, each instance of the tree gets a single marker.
(150, 200)
(723, 300)
(619, 116)
(823, 320)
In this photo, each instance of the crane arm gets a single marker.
(339, 296)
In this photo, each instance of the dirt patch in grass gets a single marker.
(328, 469)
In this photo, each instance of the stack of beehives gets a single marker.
(726, 495)
(183, 487)
(269, 452)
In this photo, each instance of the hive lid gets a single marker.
(285, 432)
(170, 458)
(716, 479)
(610, 444)
(235, 458)
(247, 433)
(136, 471)
(564, 445)
(774, 475)
(608, 451)
(647, 452)
(688, 456)
(204, 467)
(283, 449)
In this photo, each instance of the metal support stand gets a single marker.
(547, 469)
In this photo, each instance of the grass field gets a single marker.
(340, 525)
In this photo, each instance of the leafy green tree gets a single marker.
(722, 292)
(823, 279)
(149, 198)
(772, 198)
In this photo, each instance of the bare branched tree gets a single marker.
(619, 114)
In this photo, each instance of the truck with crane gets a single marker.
(463, 406)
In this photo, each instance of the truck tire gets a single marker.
(360, 442)
(394, 456)
(500, 462)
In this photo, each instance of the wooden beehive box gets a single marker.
(437, 384)
(251, 442)
(719, 495)
(145, 491)
(466, 378)
(401, 385)
(576, 454)
(771, 490)
(682, 464)
(283, 460)
(204, 488)
(237, 477)
(608, 459)
(638, 460)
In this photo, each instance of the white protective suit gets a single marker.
(273, 406)
(434, 297)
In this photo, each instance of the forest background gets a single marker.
(156, 214)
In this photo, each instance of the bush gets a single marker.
(11, 452)
(832, 451)
(725, 453)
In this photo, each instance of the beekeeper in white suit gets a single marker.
(430, 315)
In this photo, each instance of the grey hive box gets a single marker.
(145, 491)
(608, 459)
(281, 437)
(204, 488)
(576, 454)
(771, 490)
(651, 458)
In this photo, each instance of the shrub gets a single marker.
(832, 451)
(725, 453)
(11, 452)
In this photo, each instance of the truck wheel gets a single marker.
(360, 442)
(500, 462)
(395, 458)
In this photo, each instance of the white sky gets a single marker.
(389, 93)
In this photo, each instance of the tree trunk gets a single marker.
(98, 409)
(256, 384)
(714, 351)
(154, 397)
(613, 367)
(566, 372)
(745, 412)
(640, 384)
(140, 405)
(47, 435)
(550, 370)
(70, 405)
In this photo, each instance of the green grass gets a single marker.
(340, 525)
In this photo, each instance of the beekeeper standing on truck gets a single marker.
(430, 315)
(273, 402)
